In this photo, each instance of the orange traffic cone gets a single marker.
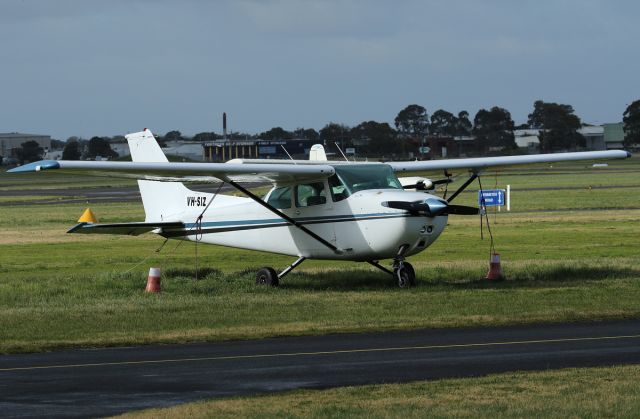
(495, 270)
(153, 281)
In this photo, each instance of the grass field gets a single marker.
(569, 249)
(584, 393)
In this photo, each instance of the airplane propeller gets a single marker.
(431, 207)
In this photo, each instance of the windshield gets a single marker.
(367, 176)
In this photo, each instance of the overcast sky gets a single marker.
(96, 67)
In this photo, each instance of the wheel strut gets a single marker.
(398, 261)
(291, 267)
(377, 265)
(402, 271)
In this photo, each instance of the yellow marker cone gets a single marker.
(87, 217)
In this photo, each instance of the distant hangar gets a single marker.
(12, 141)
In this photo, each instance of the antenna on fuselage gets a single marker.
(285, 150)
(340, 150)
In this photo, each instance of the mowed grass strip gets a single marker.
(89, 299)
(59, 290)
(587, 392)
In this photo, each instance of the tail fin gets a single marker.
(162, 201)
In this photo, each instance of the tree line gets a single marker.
(490, 132)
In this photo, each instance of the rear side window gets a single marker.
(280, 197)
(310, 194)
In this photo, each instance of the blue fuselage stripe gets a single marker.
(302, 220)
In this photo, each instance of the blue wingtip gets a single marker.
(36, 166)
(629, 154)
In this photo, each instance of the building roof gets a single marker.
(20, 135)
(591, 130)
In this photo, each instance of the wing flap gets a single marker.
(129, 229)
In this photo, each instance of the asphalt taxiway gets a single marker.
(98, 382)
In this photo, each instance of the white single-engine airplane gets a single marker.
(316, 209)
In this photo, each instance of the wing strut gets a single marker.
(284, 217)
(464, 186)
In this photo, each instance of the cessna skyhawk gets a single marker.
(315, 210)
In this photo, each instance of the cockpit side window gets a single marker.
(337, 188)
(280, 197)
(309, 194)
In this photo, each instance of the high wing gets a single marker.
(185, 172)
(477, 164)
(481, 163)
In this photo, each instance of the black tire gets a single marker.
(405, 275)
(267, 276)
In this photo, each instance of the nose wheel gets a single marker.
(404, 274)
(403, 271)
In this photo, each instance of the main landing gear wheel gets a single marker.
(267, 276)
(405, 275)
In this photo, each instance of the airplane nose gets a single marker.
(436, 206)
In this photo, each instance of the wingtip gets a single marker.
(35, 166)
(629, 154)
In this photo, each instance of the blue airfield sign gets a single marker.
(492, 197)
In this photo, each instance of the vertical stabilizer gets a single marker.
(162, 201)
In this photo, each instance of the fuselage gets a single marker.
(359, 225)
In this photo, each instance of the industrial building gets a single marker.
(223, 150)
(614, 135)
(11, 142)
(597, 137)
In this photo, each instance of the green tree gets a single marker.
(173, 136)
(493, 130)
(205, 136)
(558, 126)
(413, 124)
(335, 133)
(100, 147)
(308, 133)
(382, 138)
(276, 133)
(71, 151)
(57, 144)
(463, 124)
(29, 152)
(631, 119)
(413, 121)
(443, 123)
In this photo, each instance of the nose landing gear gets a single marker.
(403, 272)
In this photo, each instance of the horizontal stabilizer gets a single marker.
(129, 229)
